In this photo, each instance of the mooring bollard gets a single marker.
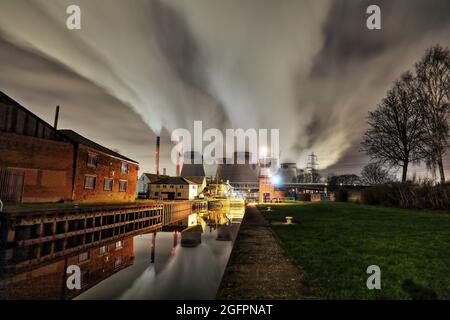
(288, 220)
(269, 208)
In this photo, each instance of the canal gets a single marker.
(182, 261)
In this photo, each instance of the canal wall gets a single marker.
(29, 237)
(258, 267)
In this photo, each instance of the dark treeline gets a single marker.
(411, 124)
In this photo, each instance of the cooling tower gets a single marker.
(238, 173)
(288, 172)
(192, 165)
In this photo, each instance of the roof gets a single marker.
(76, 138)
(153, 177)
(196, 179)
(192, 170)
(7, 100)
(173, 180)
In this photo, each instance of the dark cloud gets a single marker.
(310, 68)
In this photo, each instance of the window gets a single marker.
(119, 244)
(172, 186)
(83, 256)
(156, 193)
(92, 160)
(107, 186)
(179, 194)
(164, 186)
(124, 167)
(103, 250)
(122, 186)
(181, 187)
(84, 278)
(89, 182)
(118, 262)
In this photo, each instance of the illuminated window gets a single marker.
(103, 250)
(118, 262)
(124, 167)
(92, 160)
(122, 186)
(83, 256)
(119, 244)
(89, 182)
(107, 186)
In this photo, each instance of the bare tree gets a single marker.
(433, 91)
(395, 131)
(374, 173)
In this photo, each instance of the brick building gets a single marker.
(173, 188)
(101, 174)
(267, 190)
(35, 154)
(41, 164)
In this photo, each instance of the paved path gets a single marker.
(258, 267)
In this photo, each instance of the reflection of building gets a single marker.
(49, 281)
(173, 188)
(219, 189)
(42, 164)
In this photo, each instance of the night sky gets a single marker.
(143, 67)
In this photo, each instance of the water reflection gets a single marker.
(147, 266)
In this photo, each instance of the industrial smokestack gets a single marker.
(177, 173)
(55, 124)
(158, 142)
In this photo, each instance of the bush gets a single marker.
(409, 195)
(341, 195)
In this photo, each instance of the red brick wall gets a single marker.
(47, 165)
(107, 167)
(265, 186)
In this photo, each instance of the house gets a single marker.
(199, 180)
(173, 188)
(144, 180)
(39, 163)
(101, 174)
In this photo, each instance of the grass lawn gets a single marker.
(334, 243)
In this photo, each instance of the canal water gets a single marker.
(162, 265)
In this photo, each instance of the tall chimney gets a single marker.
(177, 173)
(55, 125)
(158, 142)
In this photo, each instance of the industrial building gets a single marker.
(192, 165)
(39, 163)
(242, 175)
